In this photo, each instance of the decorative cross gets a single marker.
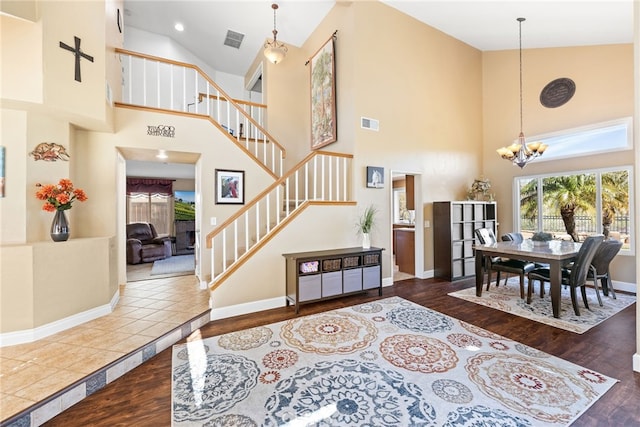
(78, 53)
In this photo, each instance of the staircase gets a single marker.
(180, 88)
(321, 178)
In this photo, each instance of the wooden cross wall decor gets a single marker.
(78, 54)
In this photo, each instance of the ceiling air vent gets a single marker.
(371, 124)
(233, 39)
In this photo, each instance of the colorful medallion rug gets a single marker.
(507, 299)
(386, 363)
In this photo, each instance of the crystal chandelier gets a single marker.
(521, 153)
(274, 50)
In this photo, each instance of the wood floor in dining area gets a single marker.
(142, 397)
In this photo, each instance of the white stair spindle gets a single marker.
(235, 240)
(257, 222)
(344, 180)
(130, 80)
(315, 178)
(278, 203)
(323, 178)
(224, 250)
(171, 104)
(296, 191)
(268, 200)
(195, 91)
(144, 82)
(158, 84)
(306, 181)
(184, 87)
(330, 161)
(246, 230)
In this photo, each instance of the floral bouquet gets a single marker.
(59, 197)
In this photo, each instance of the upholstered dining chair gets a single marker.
(576, 277)
(600, 264)
(512, 237)
(519, 238)
(501, 265)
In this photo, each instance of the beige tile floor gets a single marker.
(146, 310)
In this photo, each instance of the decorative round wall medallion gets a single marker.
(557, 92)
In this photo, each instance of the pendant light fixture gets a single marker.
(521, 153)
(274, 50)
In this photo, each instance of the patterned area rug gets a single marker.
(384, 363)
(507, 298)
(172, 265)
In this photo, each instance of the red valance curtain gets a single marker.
(150, 185)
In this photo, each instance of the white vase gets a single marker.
(366, 241)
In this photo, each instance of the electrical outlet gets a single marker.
(427, 224)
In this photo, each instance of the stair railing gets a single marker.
(164, 84)
(321, 177)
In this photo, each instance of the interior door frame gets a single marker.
(419, 219)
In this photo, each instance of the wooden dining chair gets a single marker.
(502, 265)
(576, 277)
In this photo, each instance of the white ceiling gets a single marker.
(485, 25)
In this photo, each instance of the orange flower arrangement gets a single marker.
(59, 197)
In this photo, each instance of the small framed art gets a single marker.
(375, 177)
(229, 187)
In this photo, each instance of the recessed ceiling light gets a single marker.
(179, 27)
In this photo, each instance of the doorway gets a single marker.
(173, 210)
(407, 238)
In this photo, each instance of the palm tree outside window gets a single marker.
(577, 205)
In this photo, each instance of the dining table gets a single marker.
(555, 253)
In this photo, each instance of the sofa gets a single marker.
(144, 245)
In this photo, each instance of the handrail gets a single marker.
(164, 84)
(201, 96)
(322, 177)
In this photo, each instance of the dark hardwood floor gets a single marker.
(143, 396)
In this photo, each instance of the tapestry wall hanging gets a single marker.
(323, 96)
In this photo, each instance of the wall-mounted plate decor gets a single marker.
(557, 92)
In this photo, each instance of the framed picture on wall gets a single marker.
(375, 177)
(229, 187)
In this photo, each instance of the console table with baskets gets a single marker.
(318, 275)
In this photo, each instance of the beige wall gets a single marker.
(603, 76)
(40, 285)
(97, 155)
(418, 95)
(263, 276)
(22, 48)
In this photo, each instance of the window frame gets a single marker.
(552, 139)
(631, 251)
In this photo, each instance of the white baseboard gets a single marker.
(624, 286)
(427, 274)
(636, 362)
(30, 335)
(246, 308)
